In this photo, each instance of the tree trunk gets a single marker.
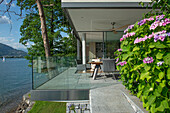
(45, 38)
(52, 28)
(43, 28)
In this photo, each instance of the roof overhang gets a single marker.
(96, 15)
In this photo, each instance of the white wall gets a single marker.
(105, 0)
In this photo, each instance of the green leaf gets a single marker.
(167, 59)
(130, 59)
(156, 93)
(147, 68)
(163, 84)
(159, 55)
(160, 45)
(160, 108)
(136, 48)
(165, 103)
(161, 75)
(139, 94)
(151, 45)
(125, 56)
(130, 86)
(152, 99)
(164, 91)
(153, 109)
(125, 49)
(168, 73)
(160, 89)
(125, 42)
(144, 75)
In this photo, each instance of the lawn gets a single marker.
(48, 107)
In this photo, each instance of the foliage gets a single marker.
(56, 26)
(144, 62)
(158, 6)
(48, 107)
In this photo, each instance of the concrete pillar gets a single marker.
(78, 49)
(84, 47)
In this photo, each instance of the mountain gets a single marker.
(8, 51)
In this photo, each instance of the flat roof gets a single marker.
(101, 3)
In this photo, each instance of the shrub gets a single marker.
(144, 60)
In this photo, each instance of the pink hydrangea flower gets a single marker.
(150, 19)
(117, 60)
(159, 22)
(154, 25)
(119, 49)
(161, 35)
(148, 60)
(136, 40)
(121, 39)
(122, 63)
(150, 36)
(127, 35)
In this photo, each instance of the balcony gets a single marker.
(57, 79)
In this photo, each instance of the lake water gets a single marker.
(15, 80)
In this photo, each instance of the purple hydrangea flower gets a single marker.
(142, 22)
(148, 60)
(156, 37)
(168, 34)
(159, 17)
(160, 63)
(160, 36)
(129, 27)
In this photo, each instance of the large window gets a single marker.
(111, 43)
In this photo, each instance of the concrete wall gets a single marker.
(105, 0)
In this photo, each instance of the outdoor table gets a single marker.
(94, 74)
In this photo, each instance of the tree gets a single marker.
(158, 7)
(55, 24)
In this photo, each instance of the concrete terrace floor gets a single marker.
(106, 94)
(69, 79)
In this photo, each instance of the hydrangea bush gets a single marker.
(144, 62)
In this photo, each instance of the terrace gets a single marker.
(63, 76)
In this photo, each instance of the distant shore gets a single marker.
(12, 56)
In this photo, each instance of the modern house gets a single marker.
(98, 25)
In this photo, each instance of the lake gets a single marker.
(15, 80)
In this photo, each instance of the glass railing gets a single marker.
(45, 70)
(57, 73)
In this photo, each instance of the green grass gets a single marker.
(48, 107)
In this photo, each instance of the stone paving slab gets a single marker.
(109, 99)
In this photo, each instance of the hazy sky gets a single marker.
(12, 37)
